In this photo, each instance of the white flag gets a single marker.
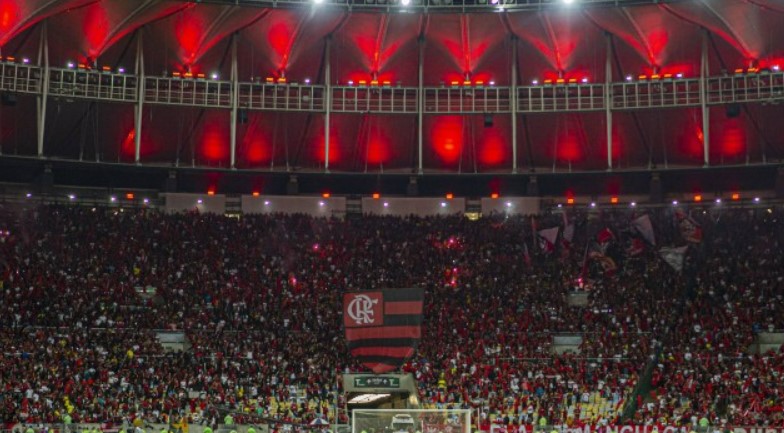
(644, 226)
(674, 256)
(549, 236)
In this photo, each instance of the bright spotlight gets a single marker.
(318, 2)
(405, 2)
(568, 2)
(214, 76)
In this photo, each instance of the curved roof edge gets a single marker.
(436, 6)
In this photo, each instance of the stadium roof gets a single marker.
(644, 41)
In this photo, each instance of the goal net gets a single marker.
(411, 421)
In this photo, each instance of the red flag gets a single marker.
(690, 229)
(636, 248)
(605, 235)
(383, 327)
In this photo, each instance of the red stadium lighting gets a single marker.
(697, 198)
(210, 192)
(325, 195)
(735, 196)
(129, 196)
(376, 195)
(256, 193)
(494, 195)
(614, 200)
(449, 196)
(570, 200)
(270, 80)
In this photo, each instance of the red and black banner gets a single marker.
(383, 327)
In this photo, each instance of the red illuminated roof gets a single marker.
(382, 49)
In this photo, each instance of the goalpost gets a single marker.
(411, 421)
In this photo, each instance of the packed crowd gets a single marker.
(259, 300)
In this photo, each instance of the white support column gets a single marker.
(138, 109)
(704, 100)
(43, 62)
(234, 104)
(328, 99)
(608, 100)
(513, 101)
(421, 104)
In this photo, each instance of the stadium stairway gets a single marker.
(173, 341)
(595, 408)
(567, 343)
(767, 341)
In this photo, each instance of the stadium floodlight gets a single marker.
(405, 2)
(28, 195)
(214, 75)
(568, 2)
(318, 1)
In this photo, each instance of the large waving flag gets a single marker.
(645, 228)
(547, 238)
(383, 327)
(690, 229)
(674, 256)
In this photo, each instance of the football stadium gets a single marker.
(391, 216)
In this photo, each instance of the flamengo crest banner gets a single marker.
(383, 327)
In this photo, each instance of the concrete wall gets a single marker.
(313, 206)
(185, 202)
(511, 205)
(419, 206)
